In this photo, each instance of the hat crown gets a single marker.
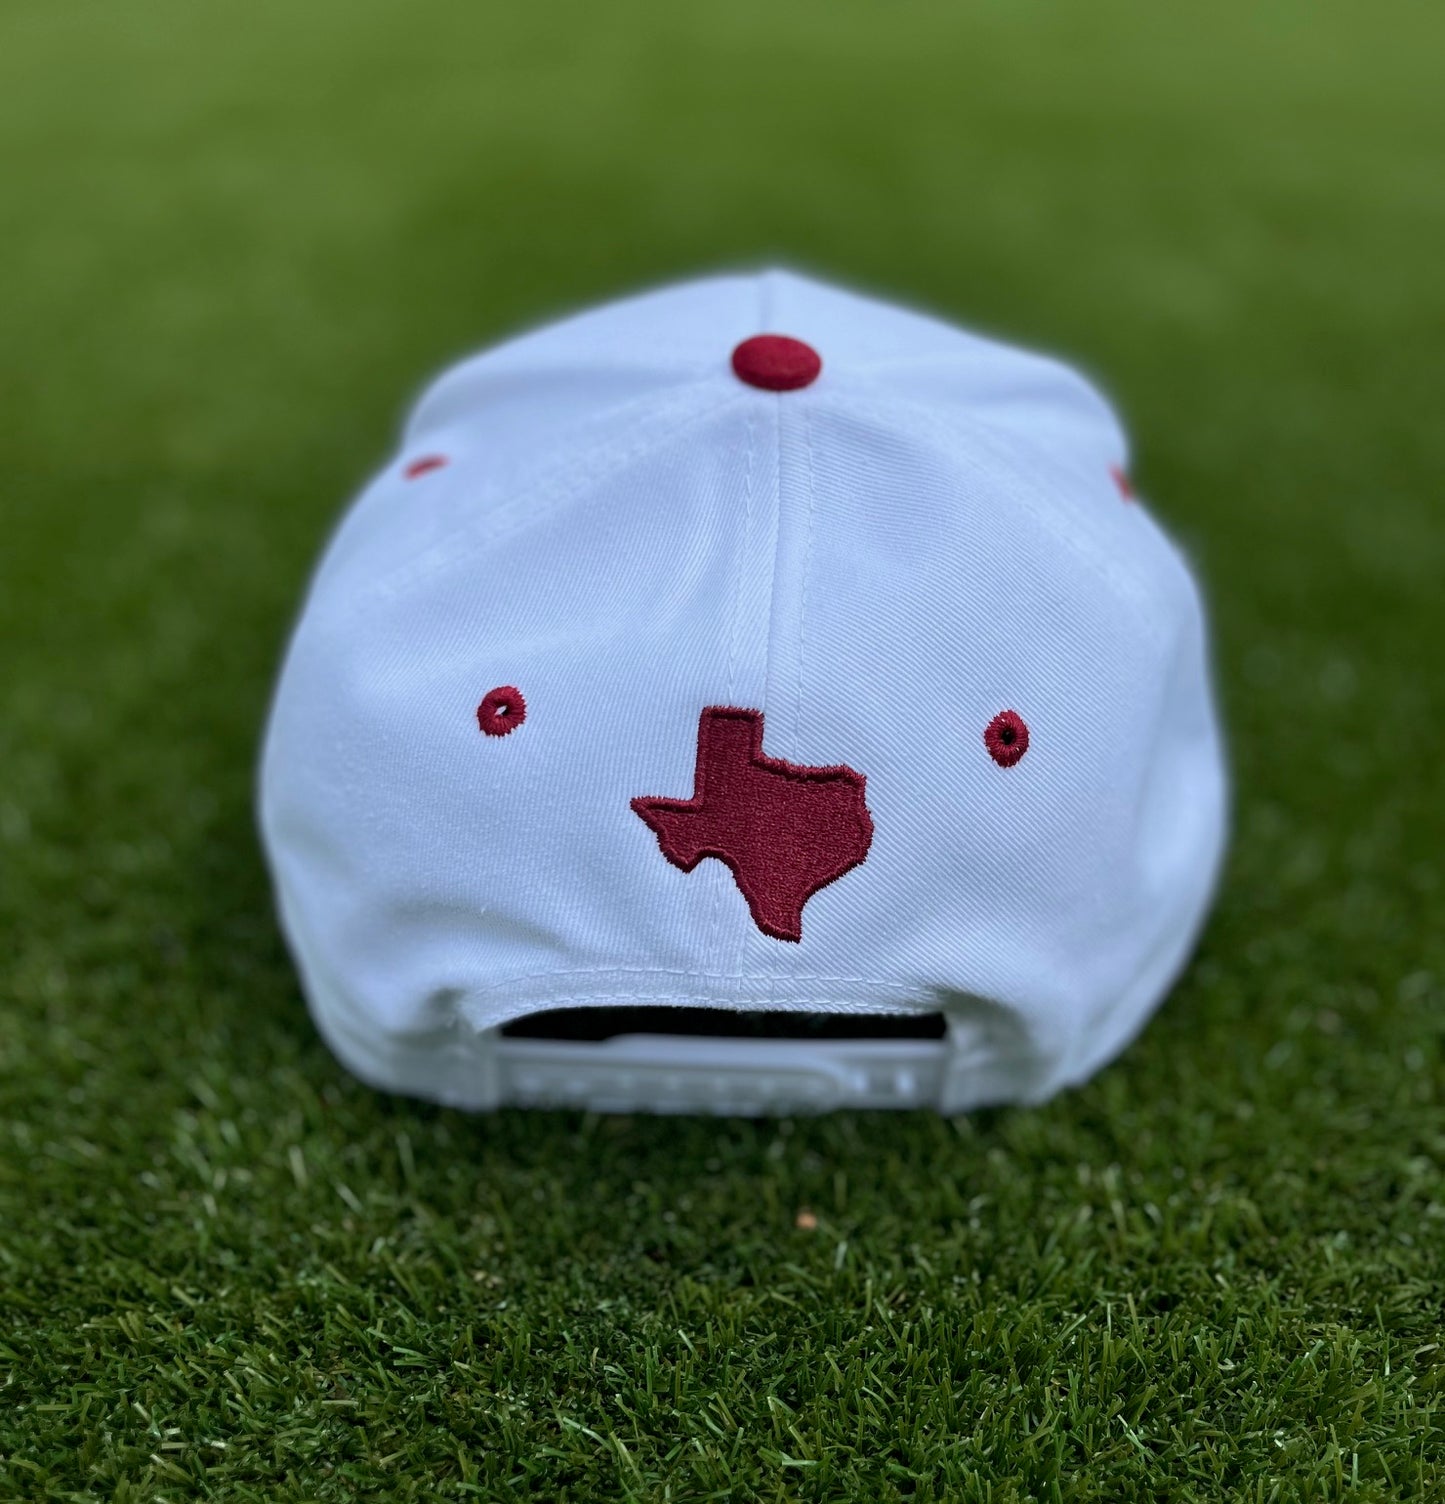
(867, 571)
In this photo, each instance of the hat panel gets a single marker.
(937, 596)
(426, 859)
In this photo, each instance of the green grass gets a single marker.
(233, 240)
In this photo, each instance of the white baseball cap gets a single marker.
(745, 697)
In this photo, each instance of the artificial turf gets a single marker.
(233, 240)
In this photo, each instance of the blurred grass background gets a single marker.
(233, 241)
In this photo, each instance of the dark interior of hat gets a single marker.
(722, 1023)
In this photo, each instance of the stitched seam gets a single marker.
(765, 310)
(770, 974)
(807, 570)
(742, 561)
(499, 367)
(996, 441)
(670, 971)
(452, 548)
(810, 1004)
(1021, 359)
(613, 425)
(743, 556)
(588, 472)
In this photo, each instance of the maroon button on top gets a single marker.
(776, 363)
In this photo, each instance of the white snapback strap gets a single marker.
(747, 1077)
(966, 1068)
(971, 1065)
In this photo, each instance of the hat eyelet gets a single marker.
(502, 710)
(1007, 738)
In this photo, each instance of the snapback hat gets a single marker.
(745, 697)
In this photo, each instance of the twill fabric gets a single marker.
(877, 565)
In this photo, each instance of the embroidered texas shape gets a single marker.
(784, 830)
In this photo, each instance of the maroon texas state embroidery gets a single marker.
(784, 830)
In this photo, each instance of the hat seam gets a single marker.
(682, 971)
(590, 470)
(807, 424)
(714, 939)
(1036, 362)
(1138, 585)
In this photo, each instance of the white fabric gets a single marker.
(880, 563)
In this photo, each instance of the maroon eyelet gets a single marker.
(1006, 737)
(502, 710)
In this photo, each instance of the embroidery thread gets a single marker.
(502, 710)
(784, 830)
(1007, 738)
